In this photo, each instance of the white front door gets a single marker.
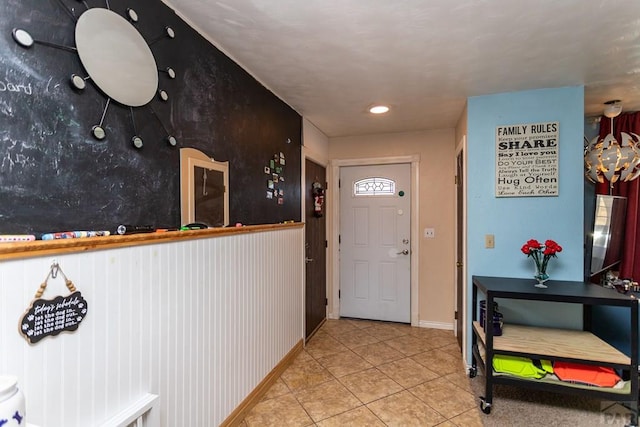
(375, 251)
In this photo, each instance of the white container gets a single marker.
(12, 405)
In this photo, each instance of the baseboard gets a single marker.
(435, 325)
(238, 414)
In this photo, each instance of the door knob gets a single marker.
(308, 260)
(404, 252)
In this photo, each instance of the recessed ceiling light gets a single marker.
(378, 109)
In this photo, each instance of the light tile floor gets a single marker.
(365, 373)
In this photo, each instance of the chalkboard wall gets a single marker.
(54, 176)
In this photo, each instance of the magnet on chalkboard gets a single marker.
(137, 141)
(98, 132)
(78, 82)
(172, 140)
(133, 16)
(163, 95)
(171, 72)
(22, 37)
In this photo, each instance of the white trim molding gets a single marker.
(436, 325)
(462, 146)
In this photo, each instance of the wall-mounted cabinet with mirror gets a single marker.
(204, 184)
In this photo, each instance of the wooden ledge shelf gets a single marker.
(554, 343)
(62, 246)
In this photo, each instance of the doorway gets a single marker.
(375, 242)
(459, 245)
(315, 248)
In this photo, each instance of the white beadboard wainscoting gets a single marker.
(199, 323)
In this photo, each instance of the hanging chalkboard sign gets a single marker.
(50, 317)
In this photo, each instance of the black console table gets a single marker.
(553, 344)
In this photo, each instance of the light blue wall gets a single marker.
(515, 220)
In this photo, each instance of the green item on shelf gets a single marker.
(547, 366)
(518, 366)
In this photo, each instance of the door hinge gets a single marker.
(326, 301)
(339, 183)
(456, 180)
(339, 238)
(326, 243)
(455, 315)
(338, 293)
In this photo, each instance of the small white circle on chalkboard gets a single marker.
(78, 82)
(171, 72)
(172, 141)
(163, 95)
(137, 142)
(170, 32)
(22, 37)
(133, 16)
(98, 132)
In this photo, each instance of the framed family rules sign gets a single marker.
(527, 160)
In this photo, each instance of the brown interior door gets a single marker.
(315, 250)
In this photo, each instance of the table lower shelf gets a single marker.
(554, 343)
(622, 392)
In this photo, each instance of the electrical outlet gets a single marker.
(489, 241)
(429, 233)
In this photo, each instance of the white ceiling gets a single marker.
(331, 59)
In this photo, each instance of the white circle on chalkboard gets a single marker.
(163, 95)
(170, 32)
(132, 15)
(78, 82)
(116, 57)
(137, 142)
(98, 132)
(171, 72)
(21, 37)
(172, 141)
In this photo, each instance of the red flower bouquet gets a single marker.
(541, 255)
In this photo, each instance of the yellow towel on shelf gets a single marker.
(521, 366)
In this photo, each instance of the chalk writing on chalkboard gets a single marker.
(7, 86)
(58, 177)
(50, 317)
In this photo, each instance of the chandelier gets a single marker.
(607, 158)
